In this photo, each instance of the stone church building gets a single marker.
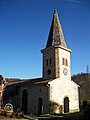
(55, 92)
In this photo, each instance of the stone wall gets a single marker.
(34, 93)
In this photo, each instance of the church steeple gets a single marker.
(56, 56)
(56, 37)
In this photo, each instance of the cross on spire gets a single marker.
(54, 4)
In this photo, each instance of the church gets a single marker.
(54, 92)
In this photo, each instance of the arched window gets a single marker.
(66, 62)
(63, 61)
(47, 62)
(50, 61)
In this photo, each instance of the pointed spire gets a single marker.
(56, 37)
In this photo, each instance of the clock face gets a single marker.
(65, 71)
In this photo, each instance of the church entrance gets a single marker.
(40, 106)
(66, 105)
(24, 100)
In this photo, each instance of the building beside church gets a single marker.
(55, 92)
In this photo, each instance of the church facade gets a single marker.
(55, 92)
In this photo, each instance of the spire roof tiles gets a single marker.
(56, 37)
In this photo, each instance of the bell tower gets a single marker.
(56, 55)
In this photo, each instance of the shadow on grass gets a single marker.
(71, 116)
(74, 116)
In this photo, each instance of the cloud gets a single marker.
(75, 1)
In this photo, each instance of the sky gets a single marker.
(24, 29)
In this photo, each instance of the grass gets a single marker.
(50, 115)
(30, 117)
(71, 116)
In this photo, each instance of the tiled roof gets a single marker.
(13, 81)
(56, 36)
(13, 84)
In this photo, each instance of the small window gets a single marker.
(63, 61)
(47, 62)
(40, 90)
(50, 61)
(66, 62)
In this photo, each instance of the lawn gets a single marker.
(30, 117)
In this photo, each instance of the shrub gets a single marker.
(87, 112)
(55, 106)
(18, 113)
(84, 104)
